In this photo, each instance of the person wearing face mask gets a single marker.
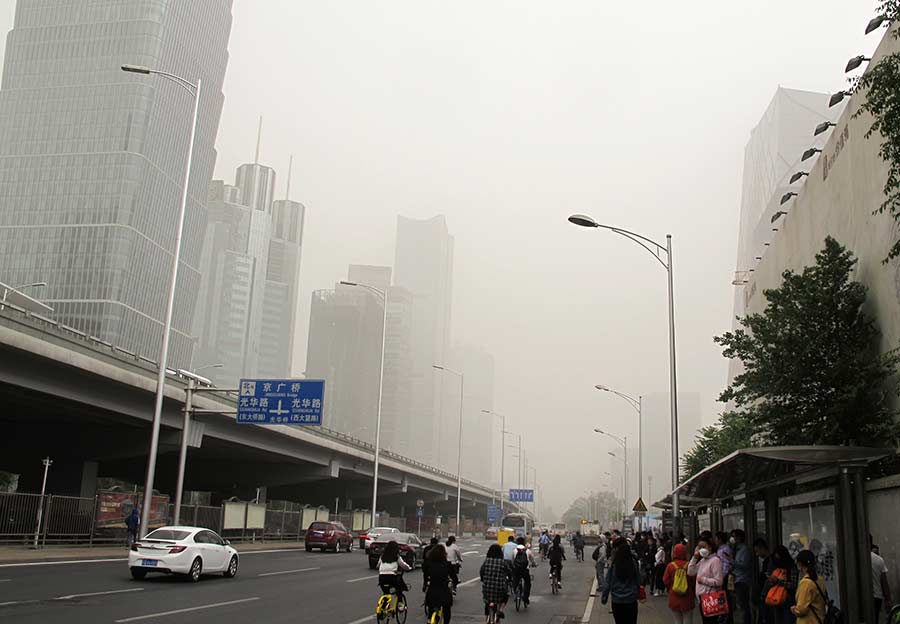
(707, 569)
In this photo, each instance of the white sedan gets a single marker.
(192, 551)
(367, 537)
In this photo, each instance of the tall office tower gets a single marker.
(424, 267)
(92, 160)
(771, 157)
(282, 289)
(395, 406)
(250, 265)
(344, 349)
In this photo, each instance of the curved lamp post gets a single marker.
(194, 91)
(663, 255)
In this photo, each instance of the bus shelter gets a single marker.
(804, 497)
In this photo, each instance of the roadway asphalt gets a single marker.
(273, 586)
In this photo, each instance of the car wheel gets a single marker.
(196, 570)
(231, 570)
(350, 546)
(138, 574)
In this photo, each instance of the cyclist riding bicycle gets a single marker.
(437, 593)
(522, 561)
(557, 555)
(494, 575)
(578, 545)
(391, 567)
(544, 543)
(454, 558)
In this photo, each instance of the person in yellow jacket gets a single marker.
(810, 607)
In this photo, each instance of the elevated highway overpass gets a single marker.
(88, 405)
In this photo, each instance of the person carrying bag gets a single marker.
(813, 606)
(707, 569)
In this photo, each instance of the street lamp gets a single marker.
(657, 250)
(459, 445)
(787, 197)
(383, 295)
(192, 378)
(876, 22)
(823, 127)
(194, 91)
(636, 404)
(798, 176)
(838, 97)
(810, 153)
(855, 62)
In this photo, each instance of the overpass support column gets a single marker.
(89, 479)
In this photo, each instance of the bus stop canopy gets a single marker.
(751, 469)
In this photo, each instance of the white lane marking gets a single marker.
(5, 580)
(200, 608)
(16, 602)
(287, 571)
(470, 581)
(43, 563)
(589, 607)
(102, 593)
(368, 618)
(363, 578)
(471, 552)
(274, 550)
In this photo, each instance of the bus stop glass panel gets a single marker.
(808, 523)
(733, 518)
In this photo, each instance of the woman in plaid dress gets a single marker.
(495, 579)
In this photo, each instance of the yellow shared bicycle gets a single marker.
(391, 607)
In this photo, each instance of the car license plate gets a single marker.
(150, 563)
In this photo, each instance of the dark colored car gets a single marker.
(411, 548)
(328, 536)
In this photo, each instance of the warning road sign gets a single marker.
(639, 506)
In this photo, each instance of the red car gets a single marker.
(328, 536)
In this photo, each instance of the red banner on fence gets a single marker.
(114, 507)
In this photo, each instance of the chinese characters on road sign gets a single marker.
(281, 401)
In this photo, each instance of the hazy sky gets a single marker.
(507, 116)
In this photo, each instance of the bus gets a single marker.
(520, 523)
(558, 528)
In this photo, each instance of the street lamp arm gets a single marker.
(378, 291)
(633, 402)
(614, 437)
(637, 238)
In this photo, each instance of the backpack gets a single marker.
(520, 561)
(833, 615)
(680, 582)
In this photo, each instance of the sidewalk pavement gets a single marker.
(27, 554)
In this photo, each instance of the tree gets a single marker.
(813, 373)
(733, 431)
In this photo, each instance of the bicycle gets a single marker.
(437, 616)
(894, 617)
(518, 590)
(391, 606)
(554, 581)
(493, 616)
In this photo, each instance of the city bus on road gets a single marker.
(519, 523)
(558, 528)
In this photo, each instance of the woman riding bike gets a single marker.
(437, 592)
(391, 567)
(495, 580)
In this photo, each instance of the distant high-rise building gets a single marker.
(771, 157)
(92, 160)
(344, 349)
(250, 266)
(424, 267)
(479, 449)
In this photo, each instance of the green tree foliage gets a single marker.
(813, 374)
(733, 431)
(603, 503)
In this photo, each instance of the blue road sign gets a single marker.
(521, 496)
(281, 401)
(493, 514)
(420, 512)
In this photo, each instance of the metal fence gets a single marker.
(19, 516)
(68, 519)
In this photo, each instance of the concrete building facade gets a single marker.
(92, 159)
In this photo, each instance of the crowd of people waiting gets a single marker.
(718, 580)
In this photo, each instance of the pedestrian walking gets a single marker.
(133, 524)
(810, 601)
(623, 585)
(881, 589)
(680, 586)
(659, 571)
(706, 568)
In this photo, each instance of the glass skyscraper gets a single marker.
(92, 159)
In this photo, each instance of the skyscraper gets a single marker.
(92, 159)
(250, 269)
(424, 267)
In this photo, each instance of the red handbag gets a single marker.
(714, 604)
